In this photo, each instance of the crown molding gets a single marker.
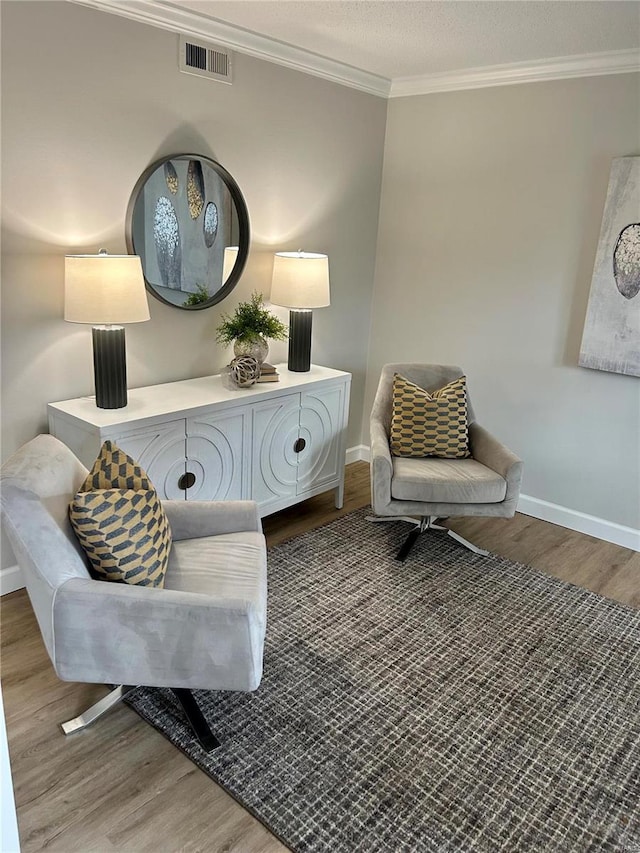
(558, 68)
(170, 16)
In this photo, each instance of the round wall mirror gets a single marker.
(188, 222)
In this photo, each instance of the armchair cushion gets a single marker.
(429, 424)
(124, 533)
(455, 481)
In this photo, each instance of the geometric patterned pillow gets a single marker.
(427, 423)
(125, 533)
(115, 469)
(140, 534)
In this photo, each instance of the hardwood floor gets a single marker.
(121, 786)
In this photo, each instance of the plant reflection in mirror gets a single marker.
(201, 295)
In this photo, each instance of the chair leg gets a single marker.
(466, 543)
(410, 541)
(95, 711)
(408, 544)
(460, 539)
(194, 715)
(425, 523)
(378, 518)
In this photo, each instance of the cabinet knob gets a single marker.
(186, 481)
(299, 445)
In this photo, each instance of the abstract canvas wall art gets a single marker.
(611, 337)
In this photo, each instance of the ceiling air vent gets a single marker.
(204, 59)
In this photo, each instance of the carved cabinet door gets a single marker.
(320, 429)
(160, 450)
(216, 465)
(274, 453)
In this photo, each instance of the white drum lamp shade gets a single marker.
(229, 261)
(300, 283)
(300, 280)
(106, 291)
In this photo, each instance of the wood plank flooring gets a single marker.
(120, 786)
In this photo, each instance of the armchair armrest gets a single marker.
(485, 448)
(121, 634)
(195, 519)
(381, 467)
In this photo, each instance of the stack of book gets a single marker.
(268, 373)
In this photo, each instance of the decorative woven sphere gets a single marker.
(245, 370)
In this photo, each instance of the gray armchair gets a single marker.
(204, 630)
(421, 490)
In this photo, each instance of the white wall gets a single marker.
(9, 838)
(489, 221)
(88, 101)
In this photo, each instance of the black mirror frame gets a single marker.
(243, 228)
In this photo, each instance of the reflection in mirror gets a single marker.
(188, 222)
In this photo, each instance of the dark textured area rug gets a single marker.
(451, 703)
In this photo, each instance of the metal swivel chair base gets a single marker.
(421, 526)
(194, 715)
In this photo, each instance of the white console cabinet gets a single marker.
(276, 442)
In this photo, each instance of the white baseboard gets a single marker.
(10, 580)
(608, 531)
(359, 453)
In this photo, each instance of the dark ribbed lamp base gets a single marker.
(300, 340)
(110, 367)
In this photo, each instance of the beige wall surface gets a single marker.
(101, 101)
(88, 101)
(489, 221)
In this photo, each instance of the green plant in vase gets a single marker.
(249, 327)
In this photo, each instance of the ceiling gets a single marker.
(408, 38)
(410, 46)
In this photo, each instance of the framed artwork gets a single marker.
(611, 336)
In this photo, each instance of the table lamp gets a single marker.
(300, 283)
(106, 291)
(229, 262)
